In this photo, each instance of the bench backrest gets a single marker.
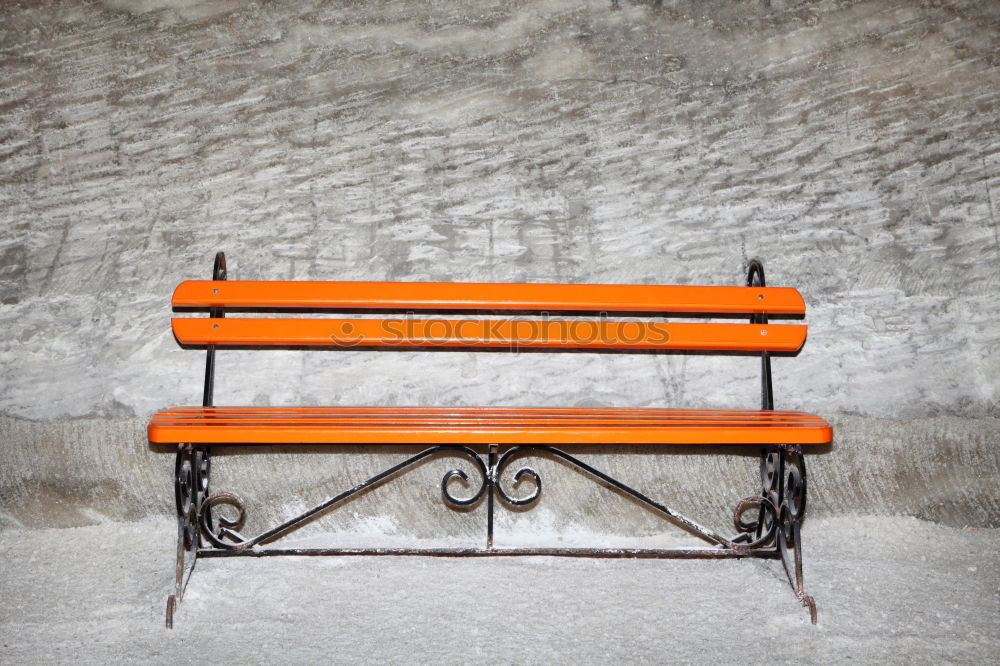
(564, 316)
(413, 330)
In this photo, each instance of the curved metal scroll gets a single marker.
(222, 531)
(527, 472)
(759, 532)
(782, 501)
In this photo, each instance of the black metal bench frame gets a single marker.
(768, 524)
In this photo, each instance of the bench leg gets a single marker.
(787, 490)
(791, 557)
(779, 510)
(192, 467)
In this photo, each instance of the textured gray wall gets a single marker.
(852, 146)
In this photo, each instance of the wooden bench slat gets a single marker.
(427, 422)
(338, 416)
(447, 425)
(515, 411)
(488, 296)
(547, 334)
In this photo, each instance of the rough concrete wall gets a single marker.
(851, 146)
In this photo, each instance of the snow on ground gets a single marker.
(890, 590)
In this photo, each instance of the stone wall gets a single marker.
(851, 146)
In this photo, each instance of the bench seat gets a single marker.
(454, 425)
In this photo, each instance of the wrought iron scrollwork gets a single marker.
(781, 504)
(222, 531)
(219, 529)
(519, 477)
(529, 473)
(462, 502)
(760, 531)
(183, 483)
(192, 468)
(768, 520)
(768, 524)
(793, 495)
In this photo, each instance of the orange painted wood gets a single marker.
(449, 425)
(547, 334)
(488, 296)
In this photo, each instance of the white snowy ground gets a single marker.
(890, 590)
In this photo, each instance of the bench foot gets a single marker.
(791, 558)
(186, 556)
(171, 604)
(809, 603)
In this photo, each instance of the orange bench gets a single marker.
(540, 316)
